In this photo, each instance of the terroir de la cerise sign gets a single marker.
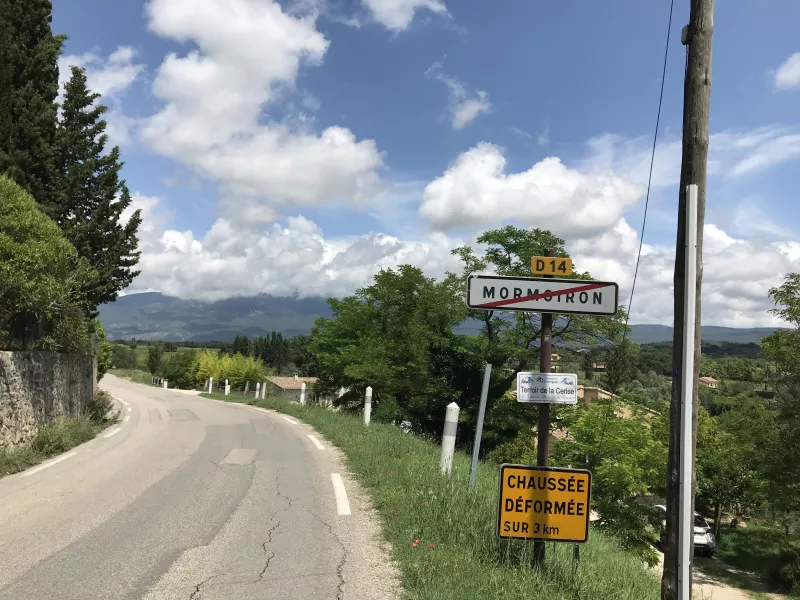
(544, 503)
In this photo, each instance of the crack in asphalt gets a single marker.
(340, 566)
(274, 527)
(199, 586)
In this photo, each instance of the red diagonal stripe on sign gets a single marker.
(581, 288)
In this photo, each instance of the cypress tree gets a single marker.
(91, 197)
(28, 89)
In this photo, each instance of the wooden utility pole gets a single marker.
(696, 103)
(543, 428)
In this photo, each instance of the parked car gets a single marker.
(704, 542)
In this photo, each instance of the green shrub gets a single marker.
(180, 369)
(63, 435)
(123, 357)
(42, 279)
(101, 410)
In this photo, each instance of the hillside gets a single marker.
(154, 316)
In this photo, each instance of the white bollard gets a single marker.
(263, 390)
(303, 393)
(258, 390)
(164, 383)
(246, 387)
(227, 388)
(367, 405)
(210, 384)
(449, 438)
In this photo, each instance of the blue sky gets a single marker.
(302, 146)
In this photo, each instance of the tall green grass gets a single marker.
(466, 559)
(59, 437)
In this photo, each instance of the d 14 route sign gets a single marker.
(549, 265)
(544, 504)
(539, 294)
(547, 388)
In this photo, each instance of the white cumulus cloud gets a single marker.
(397, 15)
(296, 257)
(476, 190)
(465, 105)
(217, 101)
(788, 74)
(232, 260)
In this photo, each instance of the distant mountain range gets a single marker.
(154, 316)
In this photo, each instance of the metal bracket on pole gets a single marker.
(686, 516)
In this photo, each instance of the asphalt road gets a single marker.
(189, 498)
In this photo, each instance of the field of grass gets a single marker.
(58, 438)
(458, 555)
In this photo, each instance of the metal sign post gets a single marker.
(543, 426)
(686, 510)
(476, 447)
(544, 295)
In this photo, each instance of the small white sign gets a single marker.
(547, 388)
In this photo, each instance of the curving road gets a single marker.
(188, 498)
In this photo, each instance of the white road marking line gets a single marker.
(48, 464)
(126, 418)
(290, 419)
(342, 505)
(112, 432)
(316, 442)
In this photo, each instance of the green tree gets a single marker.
(103, 350)
(28, 88)
(515, 336)
(91, 196)
(301, 356)
(623, 446)
(41, 279)
(154, 354)
(782, 349)
(123, 357)
(181, 369)
(394, 336)
(242, 345)
(511, 340)
(621, 364)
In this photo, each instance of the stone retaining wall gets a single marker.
(37, 387)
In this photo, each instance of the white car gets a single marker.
(704, 542)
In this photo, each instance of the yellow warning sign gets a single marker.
(548, 265)
(544, 503)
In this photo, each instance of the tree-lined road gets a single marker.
(190, 498)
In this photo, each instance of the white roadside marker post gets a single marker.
(258, 389)
(263, 390)
(449, 438)
(227, 388)
(210, 384)
(367, 405)
(303, 393)
(246, 387)
(164, 383)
